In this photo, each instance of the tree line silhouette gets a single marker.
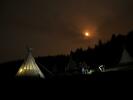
(108, 54)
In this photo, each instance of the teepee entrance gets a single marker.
(29, 67)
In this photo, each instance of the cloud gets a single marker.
(118, 22)
(53, 26)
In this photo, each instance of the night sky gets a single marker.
(53, 27)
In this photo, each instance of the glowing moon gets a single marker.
(87, 34)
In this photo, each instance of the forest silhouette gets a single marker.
(108, 54)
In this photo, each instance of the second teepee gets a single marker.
(126, 58)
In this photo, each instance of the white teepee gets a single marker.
(71, 65)
(125, 58)
(29, 67)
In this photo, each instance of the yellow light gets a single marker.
(87, 34)
(20, 71)
(25, 68)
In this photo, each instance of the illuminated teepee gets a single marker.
(29, 67)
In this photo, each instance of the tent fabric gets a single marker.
(126, 58)
(30, 68)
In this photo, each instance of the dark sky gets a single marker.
(55, 26)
